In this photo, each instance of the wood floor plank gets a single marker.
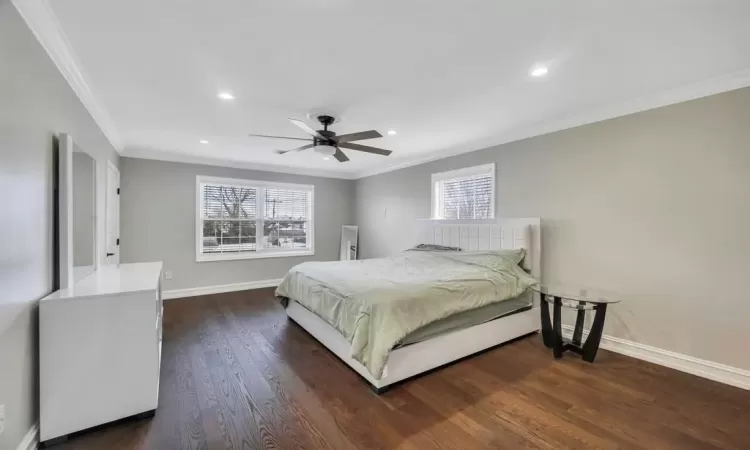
(285, 406)
(443, 394)
(237, 374)
(189, 433)
(241, 425)
(347, 399)
(255, 388)
(311, 416)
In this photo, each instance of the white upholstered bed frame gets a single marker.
(408, 361)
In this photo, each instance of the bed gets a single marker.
(401, 339)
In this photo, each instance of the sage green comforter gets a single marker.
(375, 303)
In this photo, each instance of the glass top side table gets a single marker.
(582, 299)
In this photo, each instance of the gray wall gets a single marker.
(654, 205)
(35, 103)
(157, 221)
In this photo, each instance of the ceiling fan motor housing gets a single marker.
(327, 134)
(325, 147)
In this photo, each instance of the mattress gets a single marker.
(467, 319)
(376, 303)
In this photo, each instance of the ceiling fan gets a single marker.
(327, 143)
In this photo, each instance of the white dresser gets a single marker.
(100, 349)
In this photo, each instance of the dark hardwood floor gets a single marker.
(237, 374)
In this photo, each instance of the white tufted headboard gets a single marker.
(494, 234)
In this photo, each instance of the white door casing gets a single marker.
(112, 242)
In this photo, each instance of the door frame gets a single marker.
(107, 218)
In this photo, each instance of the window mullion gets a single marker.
(260, 196)
(222, 227)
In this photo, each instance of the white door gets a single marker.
(113, 216)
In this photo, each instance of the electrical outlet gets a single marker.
(168, 275)
(2, 418)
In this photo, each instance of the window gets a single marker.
(242, 219)
(465, 193)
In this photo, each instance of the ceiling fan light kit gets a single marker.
(325, 150)
(326, 143)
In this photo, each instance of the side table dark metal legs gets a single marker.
(595, 335)
(559, 346)
(552, 334)
(578, 331)
(547, 333)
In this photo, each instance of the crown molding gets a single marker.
(158, 155)
(724, 83)
(42, 21)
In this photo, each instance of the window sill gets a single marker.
(479, 221)
(253, 255)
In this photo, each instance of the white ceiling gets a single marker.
(448, 76)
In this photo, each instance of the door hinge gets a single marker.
(118, 191)
(118, 241)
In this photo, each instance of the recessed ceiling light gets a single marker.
(203, 141)
(391, 132)
(539, 71)
(326, 158)
(226, 96)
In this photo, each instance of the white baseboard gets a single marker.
(218, 289)
(684, 363)
(31, 440)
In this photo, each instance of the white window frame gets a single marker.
(259, 252)
(456, 175)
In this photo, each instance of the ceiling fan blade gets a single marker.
(307, 128)
(278, 137)
(362, 135)
(366, 148)
(341, 156)
(298, 149)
